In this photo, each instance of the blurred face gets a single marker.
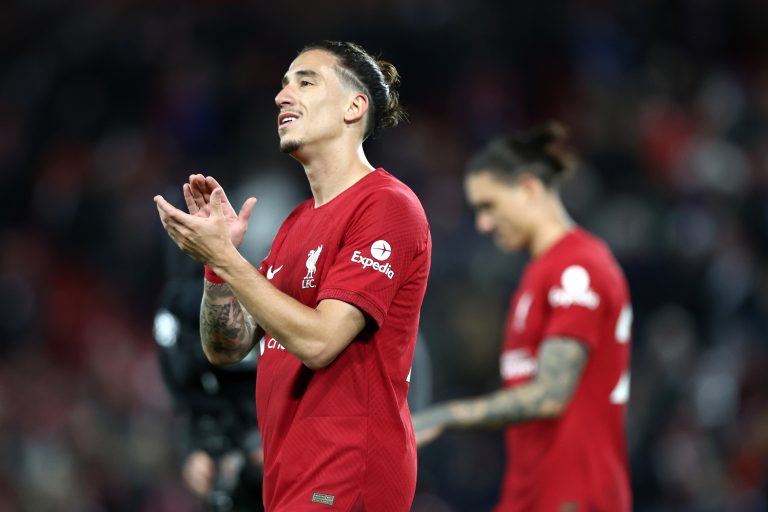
(502, 209)
(312, 102)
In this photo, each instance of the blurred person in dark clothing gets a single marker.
(564, 360)
(219, 439)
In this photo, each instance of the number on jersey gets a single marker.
(620, 393)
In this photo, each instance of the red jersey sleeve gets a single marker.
(577, 302)
(381, 242)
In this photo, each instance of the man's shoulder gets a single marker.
(582, 264)
(387, 191)
(583, 248)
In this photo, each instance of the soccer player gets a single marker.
(337, 299)
(564, 360)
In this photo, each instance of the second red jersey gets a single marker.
(341, 438)
(577, 462)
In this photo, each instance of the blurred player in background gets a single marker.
(564, 360)
(337, 298)
(219, 444)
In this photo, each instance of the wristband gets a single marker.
(212, 277)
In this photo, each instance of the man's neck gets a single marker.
(333, 171)
(553, 226)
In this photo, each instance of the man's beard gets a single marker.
(290, 146)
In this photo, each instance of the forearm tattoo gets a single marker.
(225, 326)
(560, 364)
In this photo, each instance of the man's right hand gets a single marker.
(197, 194)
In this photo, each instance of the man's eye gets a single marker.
(305, 82)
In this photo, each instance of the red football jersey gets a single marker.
(577, 462)
(341, 438)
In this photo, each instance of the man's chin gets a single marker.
(290, 146)
(506, 245)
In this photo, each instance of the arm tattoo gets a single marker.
(560, 364)
(225, 326)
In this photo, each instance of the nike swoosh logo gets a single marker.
(271, 273)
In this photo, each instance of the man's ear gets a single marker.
(532, 185)
(356, 109)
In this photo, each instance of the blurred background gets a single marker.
(105, 103)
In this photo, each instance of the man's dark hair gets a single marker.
(377, 79)
(539, 151)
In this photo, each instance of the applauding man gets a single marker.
(335, 303)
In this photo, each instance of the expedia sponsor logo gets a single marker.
(386, 269)
(574, 289)
(381, 250)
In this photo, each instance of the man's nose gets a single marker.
(284, 97)
(484, 223)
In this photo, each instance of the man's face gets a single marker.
(312, 102)
(501, 209)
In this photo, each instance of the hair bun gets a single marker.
(392, 113)
(546, 133)
(549, 138)
(391, 76)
